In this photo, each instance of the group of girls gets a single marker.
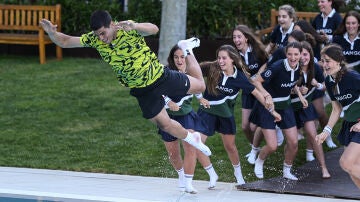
(283, 86)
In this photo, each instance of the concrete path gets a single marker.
(55, 185)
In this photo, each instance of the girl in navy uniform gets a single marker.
(328, 20)
(348, 37)
(279, 34)
(279, 79)
(316, 41)
(253, 54)
(311, 78)
(225, 78)
(344, 90)
(180, 109)
(279, 54)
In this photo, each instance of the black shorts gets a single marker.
(150, 98)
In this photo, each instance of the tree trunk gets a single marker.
(173, 26)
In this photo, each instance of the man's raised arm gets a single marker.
(60, 39)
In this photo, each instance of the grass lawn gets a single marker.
(74, 115)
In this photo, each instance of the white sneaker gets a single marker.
(279, 136)
(251, 157)
(259, 168)
(290, 176)
(191, 43)
(195, 140)
(329, 142)
(287, 174)
(239, 179)
(212, 182)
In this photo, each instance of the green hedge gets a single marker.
(205, 18)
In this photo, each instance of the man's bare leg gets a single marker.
(197, 84)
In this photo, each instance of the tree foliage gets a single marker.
(205, 18)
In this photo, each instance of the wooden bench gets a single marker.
(19, 24)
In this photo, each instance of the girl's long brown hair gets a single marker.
(335, 52)
(311, 66)
(254, 43)
(212, 72)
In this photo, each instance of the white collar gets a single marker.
(331, 79)
(288, 68)
(226, 77)
(246, 55)
(248, 50)
(289, 30)
(333, 11)
(346, 36)
(233, 75)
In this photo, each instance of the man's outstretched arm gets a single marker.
(60, 39)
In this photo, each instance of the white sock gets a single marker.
(255, 149)
(212, 174)
(309, 155)
(210, 170)
(259, 168)
(188, 184)
(181, 175)
(238, 174)
(287, 172)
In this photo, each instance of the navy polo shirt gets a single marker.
(351, 50)
(319, 77)
(280, 78)
(333, 22)
(228, 88)
(251, 61)
(346, 93)
(276, 36)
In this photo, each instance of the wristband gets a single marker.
(199, 96)
(167, 99)
(327, 129)
(320, 86)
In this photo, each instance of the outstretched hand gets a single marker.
(320, 138)
(125, 25)
(48, 26)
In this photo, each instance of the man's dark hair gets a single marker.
(100, 18)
